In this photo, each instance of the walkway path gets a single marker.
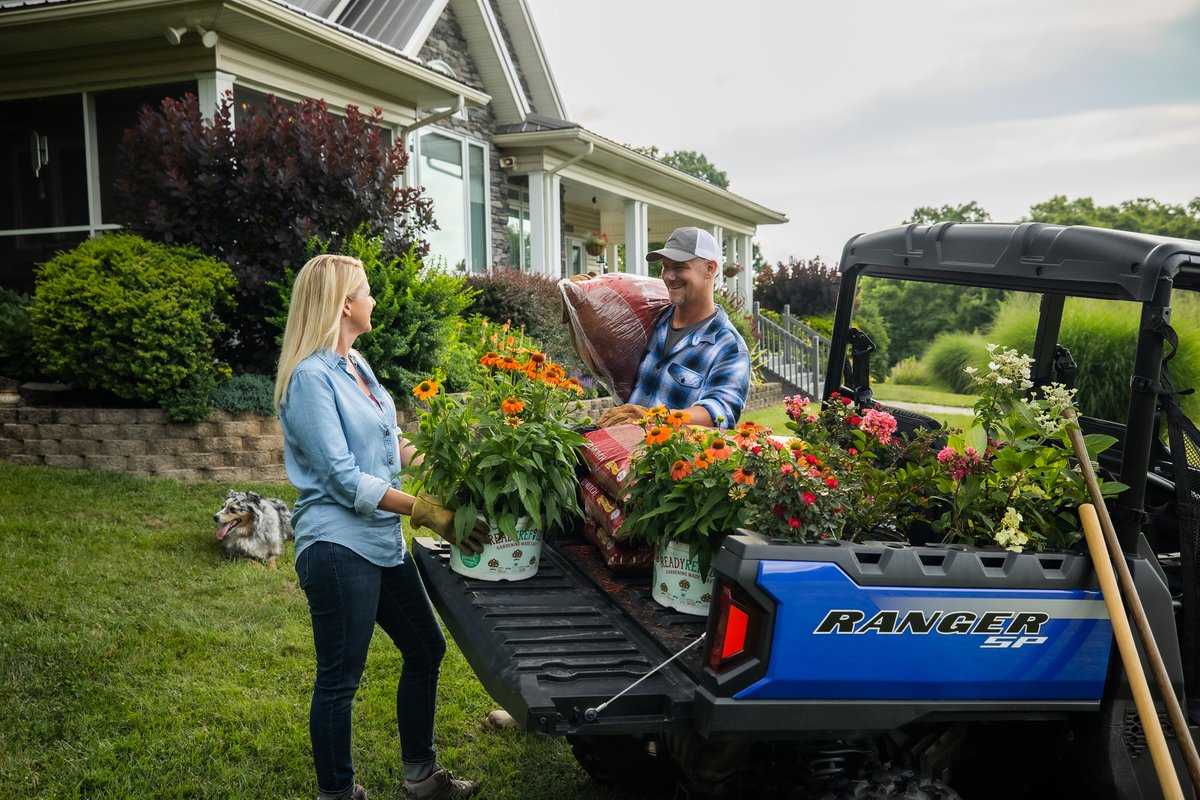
(928, 408)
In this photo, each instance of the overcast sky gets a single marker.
(846, 115)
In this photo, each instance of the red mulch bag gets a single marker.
(599, 507)
(610, 318)
(620, 557)
(606, 454)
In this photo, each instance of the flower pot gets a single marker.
(677, 583)
(502, 559)
(731, 272)
(593, 248)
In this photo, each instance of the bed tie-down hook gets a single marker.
(591, 714)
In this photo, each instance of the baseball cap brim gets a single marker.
(671, 253)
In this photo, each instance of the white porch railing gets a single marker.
(794, 353)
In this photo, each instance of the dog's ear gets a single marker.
(252, 496)
(232, 493)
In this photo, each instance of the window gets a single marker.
(453, 171)
(520, 251)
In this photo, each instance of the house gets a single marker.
(464, 82)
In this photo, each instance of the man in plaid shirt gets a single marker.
(696, 360)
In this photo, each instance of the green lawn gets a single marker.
(775, 417)
(137, 661)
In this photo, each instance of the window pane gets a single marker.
(117, 111)
(440, 170)
(54, 194)
(479, 231)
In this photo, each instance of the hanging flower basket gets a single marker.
(596, 243)
(732, 270)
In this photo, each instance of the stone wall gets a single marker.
(142, 441)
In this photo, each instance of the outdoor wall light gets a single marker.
(174, 35)
(207, 38)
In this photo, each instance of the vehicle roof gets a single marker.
(1032, 256)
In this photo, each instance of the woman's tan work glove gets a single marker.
(621, 415)
(428, 512)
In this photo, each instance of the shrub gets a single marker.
(14, 336)
(1102, 336)
(255, 200)
(531, 302)
(416, 309)
(909, 372)
(134, 318)
(238, 393)
(807, 287)
(950, 354)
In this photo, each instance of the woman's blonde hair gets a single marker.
(315, 313)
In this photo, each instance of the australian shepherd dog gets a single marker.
(250, 526)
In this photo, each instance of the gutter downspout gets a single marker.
(456, 106)
(591, 148)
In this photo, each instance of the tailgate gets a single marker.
(550, 647)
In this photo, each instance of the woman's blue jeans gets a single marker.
(347, 595)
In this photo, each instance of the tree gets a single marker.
(970, 212)
(808, 288)
(254, 197)
(689, 161)
(1145, 215)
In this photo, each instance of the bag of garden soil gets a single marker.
(620, 557)
(606, 455)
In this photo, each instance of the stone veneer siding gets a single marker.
(142, 441)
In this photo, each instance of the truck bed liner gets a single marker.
(568, 639)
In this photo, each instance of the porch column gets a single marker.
(746, 279)
(211, 87)
(545, 228)
(637, 237)
(718, 233)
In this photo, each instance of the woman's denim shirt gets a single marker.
(341, 452)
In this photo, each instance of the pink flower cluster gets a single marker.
(959, 465)
(879, 424)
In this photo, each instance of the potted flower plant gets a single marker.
(506, 450)
(685, 491)
(595, 243)
(732, 269)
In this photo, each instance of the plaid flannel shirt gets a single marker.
(709, 368)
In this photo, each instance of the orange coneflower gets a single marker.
(425, 389)
(746, 435)
(555, 371)
(680, 469)
(572, 385)
(657, 435)
(702, 462)
(678, 419)
(742, 475)
(489, 359)
(718, 449)
(511, 405)
(509, 363)
(537, 358)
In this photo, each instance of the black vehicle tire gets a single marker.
(881, 783)
(624, 759)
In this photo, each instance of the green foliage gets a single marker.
(968, 212)
(807, 287)
(253, 393)
(532, 303)
(134, 318)
(256, 198)
(950, 354)
(1102, 337)
(416, 309)
(1145, 215)
(689, 161)
(908, 372)
(138, 661)
(15, 335)
(913, 313)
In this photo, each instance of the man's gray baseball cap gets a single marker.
(686, 244)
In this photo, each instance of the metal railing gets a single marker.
(793, 352)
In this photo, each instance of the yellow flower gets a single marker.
(425, 389)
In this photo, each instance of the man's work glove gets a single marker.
(429, 513)
(621, 415)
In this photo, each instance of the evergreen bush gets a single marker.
(15, 336)
(247, 392)
(134, 318)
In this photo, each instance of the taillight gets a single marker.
(732, 629)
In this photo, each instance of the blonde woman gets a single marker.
(343, 452)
